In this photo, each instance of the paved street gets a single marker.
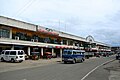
(8, 66)
(60, 71)
(114, 70)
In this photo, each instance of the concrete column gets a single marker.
(12, 47)
(53, 51)
(29, 51)
(41, 51)
(10, 33)
(61, 53)
(67, 42)
(73, 43)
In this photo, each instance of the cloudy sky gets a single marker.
(99, 18)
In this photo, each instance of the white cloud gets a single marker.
(81, 17)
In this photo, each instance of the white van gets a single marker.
(12, 55)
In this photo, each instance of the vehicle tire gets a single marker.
(12, 60)
(81, 60)
(2, 59)
(21, 61)
(65, 62)
(74, 61)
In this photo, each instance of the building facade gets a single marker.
(15, 34)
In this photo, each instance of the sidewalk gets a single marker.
(114, 69)
(7, 66)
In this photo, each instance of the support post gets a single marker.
(61, 53)
(12, 47)
(53, 51)
(28, 51)
(41, 51)
(67, 42)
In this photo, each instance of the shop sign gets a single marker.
(61, 47)
(50, 46)
(57, 46)
(90, 39)
(48, 31)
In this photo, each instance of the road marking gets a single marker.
(96, 68)
(24, 79)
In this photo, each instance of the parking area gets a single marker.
(8, 66)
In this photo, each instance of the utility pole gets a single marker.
(65, 27)
(59, 25)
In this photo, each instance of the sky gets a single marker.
(98, 18)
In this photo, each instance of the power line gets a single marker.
(25, 7)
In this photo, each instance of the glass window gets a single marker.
(7, 53)
(0, 33)
(78, 52)
(74, 52)
(65, 42)
(65, 52)
(69, 52)
(2, 52)
(20, 52)
(47, 39)
(82, 53)
(13, 53)
(21, 35)
(5, 33)
(55, 41)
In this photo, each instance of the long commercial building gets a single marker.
(15, 34)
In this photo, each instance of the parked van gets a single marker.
(12, 55)
(73, 56)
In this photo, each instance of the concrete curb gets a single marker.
(114, 70)
(96, 68)
(108, 62)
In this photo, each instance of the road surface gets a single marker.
(88, 70)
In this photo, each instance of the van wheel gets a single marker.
(12, 60)
(81, 60)
(74, 61)
(21, 61)
(65, 62)
(2, 59)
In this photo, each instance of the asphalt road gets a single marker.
(60, 71)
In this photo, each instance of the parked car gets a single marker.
(12, 55)
(35, 55)
(47, 55)
(97, 55)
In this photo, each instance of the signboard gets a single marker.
(47, 31)
(90, 39)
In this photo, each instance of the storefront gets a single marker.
(37, 39)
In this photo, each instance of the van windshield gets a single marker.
(20, 52)
(67, 52)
